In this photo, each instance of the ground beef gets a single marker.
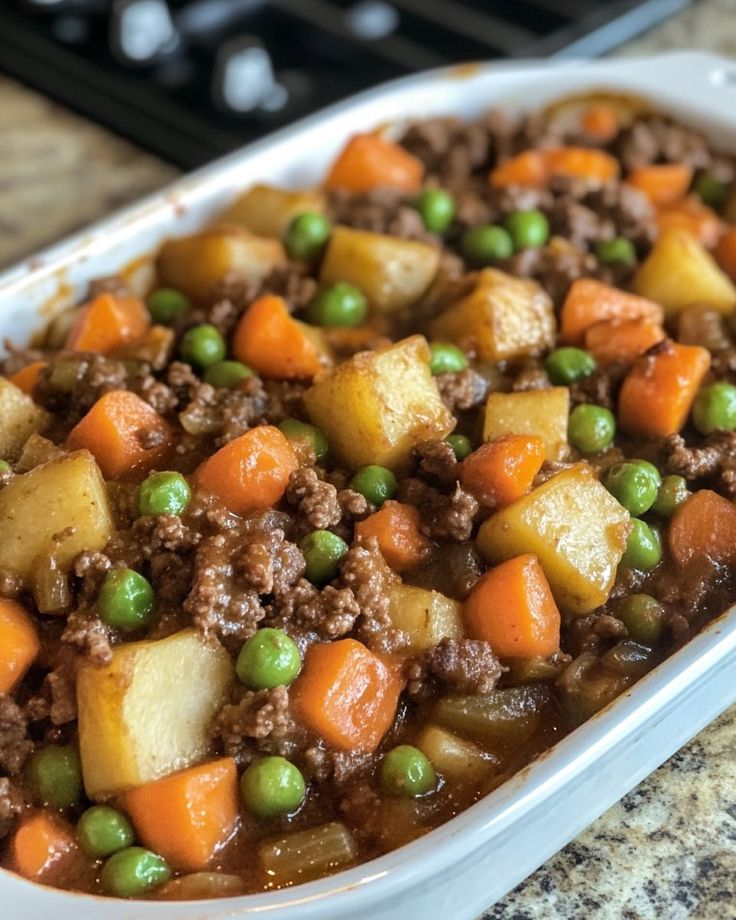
(530, 375)
(627, 210)
(462, 391)
(587, 633)
(353, 506)
(72, 384)
(364, 572)
(284, 399)
(555, 266)
(465, 665)
(156, 393)
(183, 383)
(654, 139)
(306, 612)
(90, 635)
(444, 517)
(578, 223)
(90, 567)
(11, 804)
(269, 563)
(224, 414)
(11, 585)
(220, 602)
(314, 501)
(260, 714)
(723, 365)
(15, 745)
(381, 210)
(717, 455)
(601, 387)
(437, 462)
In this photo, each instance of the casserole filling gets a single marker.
(378, 490)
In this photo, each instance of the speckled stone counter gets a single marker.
(665, 852)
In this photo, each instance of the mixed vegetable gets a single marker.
(375, 491)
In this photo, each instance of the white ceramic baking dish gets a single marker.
(461, 868)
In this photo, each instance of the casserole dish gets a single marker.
(555, 797)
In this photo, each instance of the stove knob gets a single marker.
(142, 31)
(244, 81)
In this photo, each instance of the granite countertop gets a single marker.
(668, 849)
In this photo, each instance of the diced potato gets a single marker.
(423, 616)
(19, 418)
(267, 211)
(543, 413)
(194, 264)
(391, 272)
(39, 505)
(576, 528)
(453, 757)
(500, 718)
(37, 450)
(149, 712)
(503, 317)
(199, 886)
(679, 272)
(375, 407)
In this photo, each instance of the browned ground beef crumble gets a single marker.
(227, 576)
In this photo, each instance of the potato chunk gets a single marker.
(65, 493)
(267, 211)
(502, 317)
(19, 418)
(423, 616)
(574, 526)
(679, 272)
(194, 264)
(375, 407)
(391, 272)
(148, 713)
(543, 413)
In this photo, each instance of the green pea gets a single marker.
(642, 616)
(528, 229)
(436, 208)
(306, 236)
(103, 830)
(303, 431)
(133, 873)
(634, 484)
(712, 191)
(323, 551)
(166, 305)
(163, 493)
(340, 304)
(591, 428)
(268, 659)
(125, 600)
(272, 786)
(202, 345)
(483, 245)
(5, 467)
(376, 483)
(715, 408)
(566, 365)
(446, 359)
(616, 250)
(54, 776)
(672, 493)
(227, 375)
(406, 772)
(461, 444)
(644, 547)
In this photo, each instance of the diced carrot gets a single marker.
(528, 168)
(512, 608)
(347, 694)
(40, 844)
(662, 183)
(537, 167)
(582, 163)
(396, 527)
(589, 301)
(250, 473)
(659, 390)
(501, 471)
(600, 121)
(117, 431)
(19, 643)
(108, 322)
(275, 344)
(621, 340)
(704, 527)
(692, 215)
(370, 161)
(27, 377)
(188, 816)
(725, 253)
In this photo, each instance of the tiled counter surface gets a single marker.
(668, 850)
